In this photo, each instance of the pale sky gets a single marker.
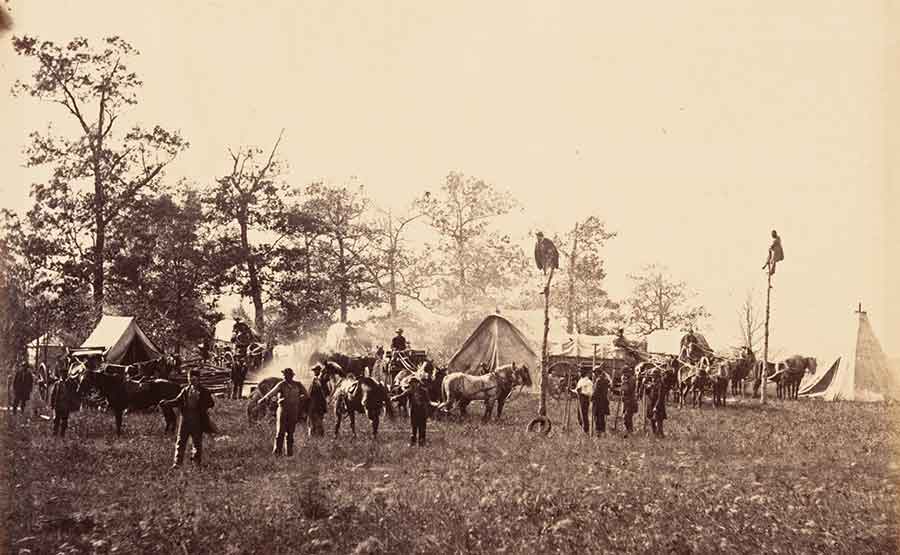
(692, 128)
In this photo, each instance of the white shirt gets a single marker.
(584, 386)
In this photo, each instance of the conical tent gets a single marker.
(122, 341)
(495, 342)
(861, 374)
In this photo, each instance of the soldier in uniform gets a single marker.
(600, 400)
(629, 400)
(194, 400)
(318, 404)
(419, 409)
(238, 375)
(22, 384)
(584, 389)
(61, 402)
(399, 343)
(291, 395)
(655, 401)
(776, 253)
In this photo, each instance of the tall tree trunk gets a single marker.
(99, 239)
(253, 273)
(570, 303)
(342, 268)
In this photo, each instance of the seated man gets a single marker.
(398, 343)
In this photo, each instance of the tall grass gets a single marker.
(799, 477)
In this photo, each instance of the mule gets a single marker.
(461, 389)
(122, 395)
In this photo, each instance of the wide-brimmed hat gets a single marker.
(399, 330)
(288, 372)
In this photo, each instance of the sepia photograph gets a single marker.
(393, 277)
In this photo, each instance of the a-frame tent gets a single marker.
(861, 373)
(121, 341)
(495, 342)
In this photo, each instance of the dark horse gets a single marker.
(355, 365)
(122, 394)
(361, 395)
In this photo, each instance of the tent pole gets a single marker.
(765, 367)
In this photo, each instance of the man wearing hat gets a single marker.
(318, 404)
(398, 343)
(584, 389)
(629, 401)
(23, 383)
(194, 400)
(600, 400)
(655, 401)
(290, 395)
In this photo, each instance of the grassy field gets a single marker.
(799, 477)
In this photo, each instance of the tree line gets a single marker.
(109, 229)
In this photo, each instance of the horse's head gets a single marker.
(811, 365)
(521, 375)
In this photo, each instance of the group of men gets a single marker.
(60, 397)
(593, 399)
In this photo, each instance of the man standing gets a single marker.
(629, 401)
(584, 389)
(61, 403)
(318, 405)
(194, 400)
(776, 253)
(416, 393)
(600, 400)
(23, 383)
(238, 375)
(655, 402)
(290, 394)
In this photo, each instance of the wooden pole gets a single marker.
(542, 409)
(765, 368)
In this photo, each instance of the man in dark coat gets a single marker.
(60, 400)
(655, 401)
(318, 404)
(419, 409)
(629, 399)
(194, 400)
(398, 343)
(238, 375)
(600, 400)
(546, 256)
(776, 253)
(23, 383)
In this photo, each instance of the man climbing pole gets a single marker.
(776, 253)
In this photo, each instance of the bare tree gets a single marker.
(750, 321)
(659, 302)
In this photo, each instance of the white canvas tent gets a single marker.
(861, 373)
(121, 341)
(495, 342)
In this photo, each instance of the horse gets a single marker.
(429, 375)
(692, 381)
(773, 373)
(794, 369)
(122, 394)
(744, 365)
(495, 386)
(362, 395)
(721, 376)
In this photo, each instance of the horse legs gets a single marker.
(462, 408)
(353, 423)
(488, 409)
(118, 415)
(170, 418)
(500, 407)
(337, 422)
(374, 419)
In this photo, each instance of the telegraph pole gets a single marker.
(765, 367)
